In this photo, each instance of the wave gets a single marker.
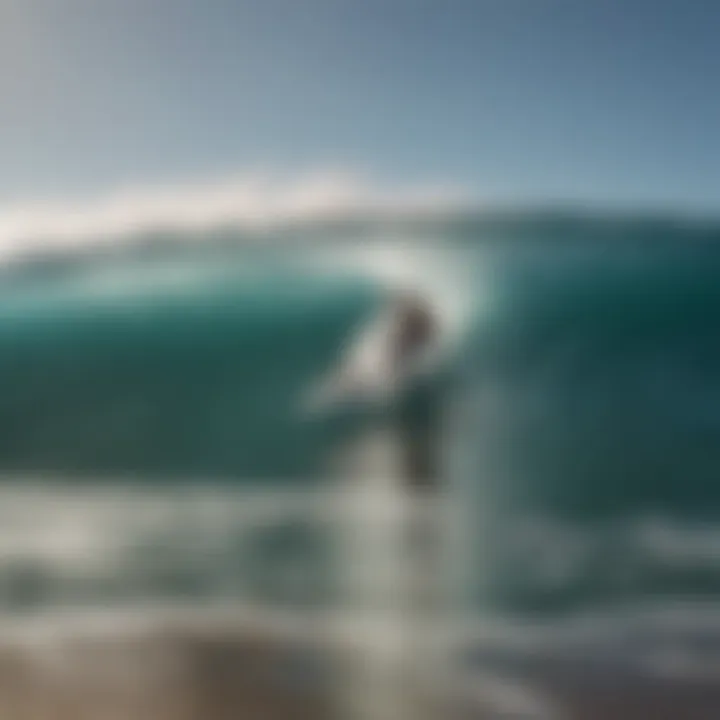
(587, 347)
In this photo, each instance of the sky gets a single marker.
(523, 101)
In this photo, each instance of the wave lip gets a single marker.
(254, 201)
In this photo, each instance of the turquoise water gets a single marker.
(582, 442)
(186, 372)
(592, 410)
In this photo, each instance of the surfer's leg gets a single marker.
(419, 437)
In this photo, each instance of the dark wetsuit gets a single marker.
(415, 330)
(418, 414)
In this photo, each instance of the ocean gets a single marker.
(155, 449)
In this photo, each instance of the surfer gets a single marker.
(388, 364)
(415, 331)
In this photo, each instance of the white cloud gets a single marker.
(253, 200)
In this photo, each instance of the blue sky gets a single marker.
(600, 101)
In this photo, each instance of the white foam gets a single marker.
(251, 200)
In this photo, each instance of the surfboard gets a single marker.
(365, 377)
